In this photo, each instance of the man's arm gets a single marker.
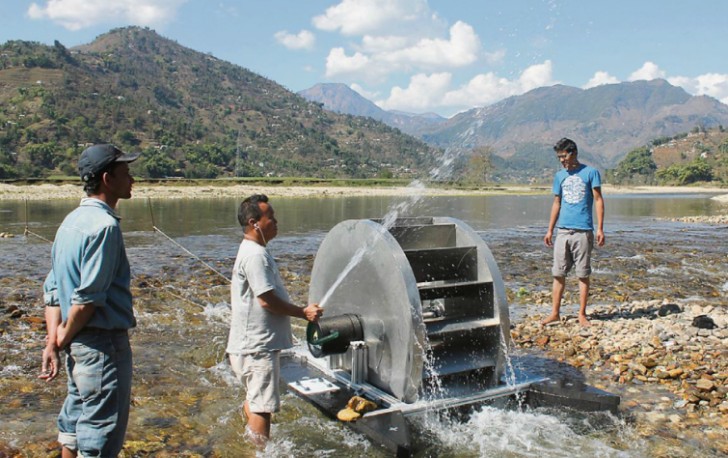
(274, 304)
(555, 209)
(599, 203)
(50, 363)
(78, 316)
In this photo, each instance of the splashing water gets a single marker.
(496, 432)
(388, 220)
(443, 171)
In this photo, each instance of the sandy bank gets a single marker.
(167, 191)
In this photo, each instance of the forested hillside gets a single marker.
(192, 114)
(698, 156)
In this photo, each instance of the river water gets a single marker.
(185, 399)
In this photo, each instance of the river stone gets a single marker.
(705, 385)
(703, 322)
(668, 309)
(674, 373)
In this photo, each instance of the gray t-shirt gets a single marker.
(252, 328)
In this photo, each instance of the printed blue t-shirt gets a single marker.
(577, 199)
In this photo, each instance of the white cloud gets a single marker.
(423, 93)
(79, 14)
(713, 84)
(383, 44)
(359, 17)
(649, 71)
(487, 88)
(384, 55)
(339, 64)
(600, 78)
(461, 49)
(433, 92)
(303, 40)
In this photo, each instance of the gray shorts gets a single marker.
(573, 248)
(259, 373)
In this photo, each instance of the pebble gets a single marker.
(647, 349)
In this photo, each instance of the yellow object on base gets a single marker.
(355, 408)
(348, 415)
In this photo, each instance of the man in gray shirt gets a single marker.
(260, 324)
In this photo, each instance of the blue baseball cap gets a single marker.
(96, 158)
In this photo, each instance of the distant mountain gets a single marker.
(606, 122)
(193, 115)
(342, 99)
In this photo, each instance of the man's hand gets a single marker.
(600, 237)
(548, 239)
(313, 312)
(50, 363)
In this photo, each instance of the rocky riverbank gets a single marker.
(668, 362)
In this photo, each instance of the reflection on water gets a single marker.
(185, 397)
(305, 215)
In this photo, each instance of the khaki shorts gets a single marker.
(259, 373)
(573, 248)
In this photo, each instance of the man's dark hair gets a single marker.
(566, 144)
(250, 209)
(91, 187)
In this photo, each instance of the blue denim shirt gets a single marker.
(89, 266)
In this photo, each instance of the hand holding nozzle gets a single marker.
(313, 312)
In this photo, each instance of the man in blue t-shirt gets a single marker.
(576, 189)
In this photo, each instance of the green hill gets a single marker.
(192, 114)
(686, 158)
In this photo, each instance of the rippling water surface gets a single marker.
(185, 397)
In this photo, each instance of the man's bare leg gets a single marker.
(258, 426)
(583, 298)
(68, 453)
(557, 294)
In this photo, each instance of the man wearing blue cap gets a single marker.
(89, 310)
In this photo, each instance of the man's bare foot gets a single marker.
(583, 321)
(550, 319)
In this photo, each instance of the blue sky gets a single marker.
(440, 56)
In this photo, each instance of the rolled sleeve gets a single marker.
(99, 262)
(50, 290)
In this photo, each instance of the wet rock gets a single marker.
(703, 322)
(668, 309)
